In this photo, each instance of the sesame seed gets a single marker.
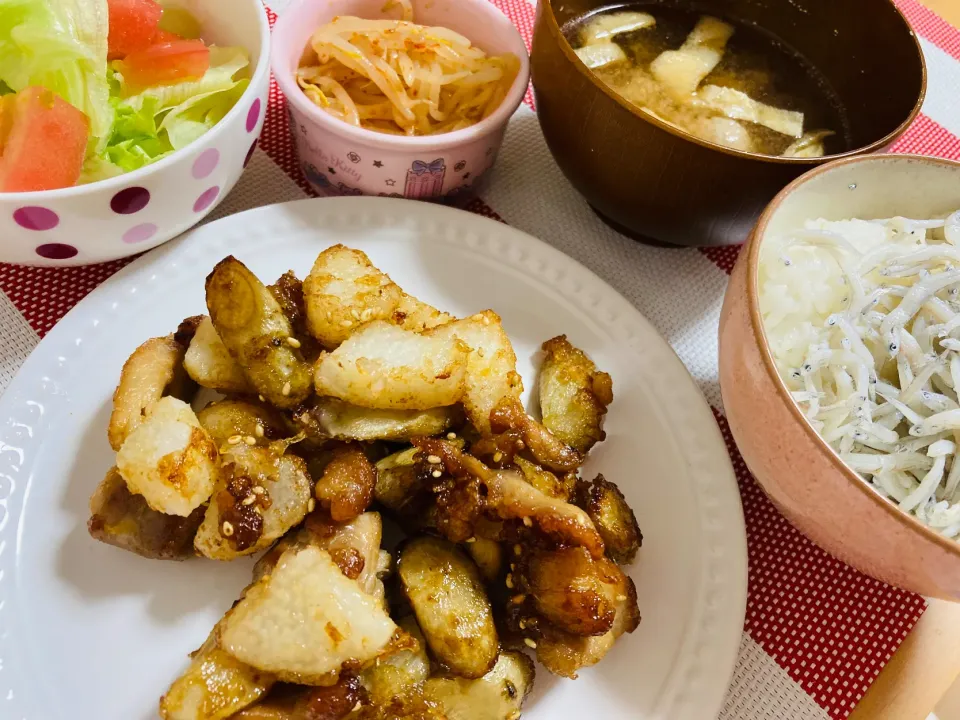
(366, 314)
(530, 643)
(311, 505)
(523, 624)
(509, 582)
(227, 529)
(527, 521)
(287, 387)
(249, 500)
(262, 398)
(258, 430)
(433, 459)
(250, 440)
(437, 473)
(480, 352)
(471, 539)
(293, 342)
(520, 445)
(497, 456)
(621, 598)
(258, 490)
(234, 440)
(518, 599)
(451, 436)
(517, 550)
(515, 715)
(513, 566)
(486, 320)
(346, 323)
(354, 313)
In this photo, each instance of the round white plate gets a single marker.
(90, 631)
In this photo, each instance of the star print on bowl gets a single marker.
(425, 179)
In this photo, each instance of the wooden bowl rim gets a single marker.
(752, 249)
(546, 6)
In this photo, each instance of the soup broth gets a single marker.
(721, 81)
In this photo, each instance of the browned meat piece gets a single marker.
(288, 292)
(346, 488)
(548, 450)
(296, 702)
(125, 520)
(613, 517)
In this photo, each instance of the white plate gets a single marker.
(90, 631)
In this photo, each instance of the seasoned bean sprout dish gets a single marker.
(289, 421)
(397, 77)
(863, 320)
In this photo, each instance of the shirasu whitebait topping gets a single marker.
(863, 320)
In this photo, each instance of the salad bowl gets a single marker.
(126, 214)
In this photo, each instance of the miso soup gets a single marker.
(724, 82)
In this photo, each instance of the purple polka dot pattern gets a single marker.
(253, 115)
(130, 201)
(57, 251)
(249, 157)
(206, 199)
(206, 163)
(140, 233)
(34, 217)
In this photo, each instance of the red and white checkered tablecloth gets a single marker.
(817, 632)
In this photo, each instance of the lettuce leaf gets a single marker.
(151, 124)
(61, 45)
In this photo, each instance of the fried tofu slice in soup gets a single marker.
(211, 365)
(574, 395)
(305, 620)
(120, 518)
(383, 366)
(148, 372)
(259, 336)
(170, 459)
(344, 290)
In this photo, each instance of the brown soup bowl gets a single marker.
(660, 185)
(798, 470)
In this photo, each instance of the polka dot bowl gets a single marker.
(131, 213)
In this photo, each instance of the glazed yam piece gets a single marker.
(120, 518)
(342, 421)
(574, 395)
(612, 516)
(210, 364)
(170, 459)
(344, 290)
(260, 496)
(498, 695)
(148, 372)
(252, 325)
(214, 687)
(491, 371)
(305, 620)
(230, 422)
(447, 595)
(383, 366)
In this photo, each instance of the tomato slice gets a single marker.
(44, 141)
(166, 63)
(133, 26)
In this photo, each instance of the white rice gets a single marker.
(863, 320)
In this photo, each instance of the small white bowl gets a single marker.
(340, 159)
(134, 212)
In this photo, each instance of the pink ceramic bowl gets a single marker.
(800, 473)
(340, 159)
